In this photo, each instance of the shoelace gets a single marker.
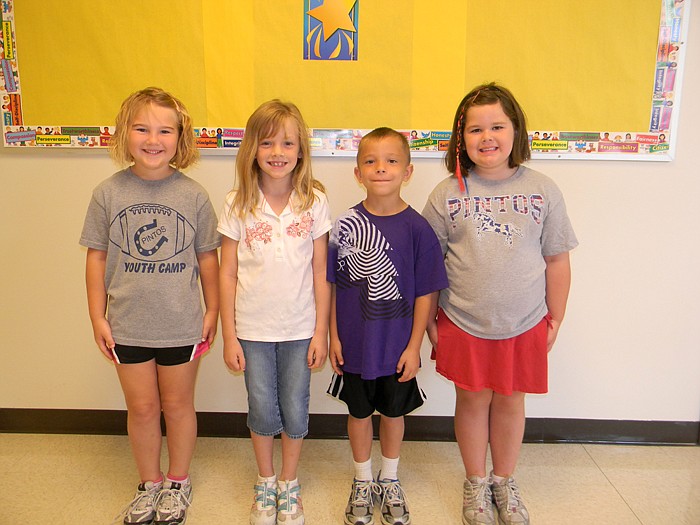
(481, 498)
(173, 500)
(393, 494)
(513, 500)
(364, 492)
(288, 500)
(137, 502)
(266, 494)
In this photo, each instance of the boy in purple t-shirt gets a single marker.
(386, 268)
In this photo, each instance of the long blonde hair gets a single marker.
(186, 152)
(265, 121)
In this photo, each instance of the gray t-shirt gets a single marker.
(495, 238)
(152, 232)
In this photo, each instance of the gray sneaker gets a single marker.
(511, 509)
(394, 507)
(477, 507)
(140, 510)
(360, 507)
(171, 503)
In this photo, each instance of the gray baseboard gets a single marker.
(333, 426)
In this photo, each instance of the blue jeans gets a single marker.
(277, 377)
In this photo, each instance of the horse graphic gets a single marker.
(487, 224)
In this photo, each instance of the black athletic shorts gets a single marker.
(171, 356)
(385, 394)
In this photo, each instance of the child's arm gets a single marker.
(336, 348)
(409, 362)
(558, 280)
(95, 264)
(228, 279)
(318, 348)
(209, 278)
(432, 320)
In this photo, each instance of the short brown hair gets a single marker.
(383, 133)
(483, 95)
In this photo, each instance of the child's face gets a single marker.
(488, 139)
(278, 154)
(383, 166)
(152, 141)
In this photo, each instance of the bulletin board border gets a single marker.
(658, 143)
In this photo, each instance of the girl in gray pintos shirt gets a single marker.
(506, 238)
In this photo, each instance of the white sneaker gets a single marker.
(171, 503)
(140, 510)
(290, 511)
(264, 509)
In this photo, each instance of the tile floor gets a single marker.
(69, 479)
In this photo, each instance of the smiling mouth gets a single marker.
(277, 163)
(153, 151)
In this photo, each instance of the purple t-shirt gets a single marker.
(380, 265)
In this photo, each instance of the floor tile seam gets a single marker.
(605, 475)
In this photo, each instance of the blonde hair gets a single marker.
(265, 121)
(186, 152)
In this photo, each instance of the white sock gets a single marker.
(390, 468)
(363, 471)
(496, 479)
(477, 480)
(290, 483)
(263, 479)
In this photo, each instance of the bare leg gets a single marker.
(360, 433)
(472, 428)
(507, 429)
(262, 446)
(140, 385)
(291, 452)
(177, 398)
(391, 436)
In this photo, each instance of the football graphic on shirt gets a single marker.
(151, 232)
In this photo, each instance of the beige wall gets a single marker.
(628, 348)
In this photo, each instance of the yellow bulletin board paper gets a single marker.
(580, 70)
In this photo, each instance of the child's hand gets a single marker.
(103, 337)
(318, 351)
(336, 357)
(233, 355)
(432, 332)
(408, 365)
(209, 326)
(552, 332)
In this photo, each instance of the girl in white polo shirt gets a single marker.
(274, 295)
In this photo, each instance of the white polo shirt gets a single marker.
(275, 292)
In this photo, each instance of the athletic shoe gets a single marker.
(264, 509)
(140, 509)
(171, 503)
(477, 507)
(394, 507)
(290, 511)
(511, 509)
(361, 503)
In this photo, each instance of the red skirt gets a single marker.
(517, 364)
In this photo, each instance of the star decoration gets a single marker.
(334, 15)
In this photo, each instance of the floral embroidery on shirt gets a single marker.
(301, 227)
(260, 231)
